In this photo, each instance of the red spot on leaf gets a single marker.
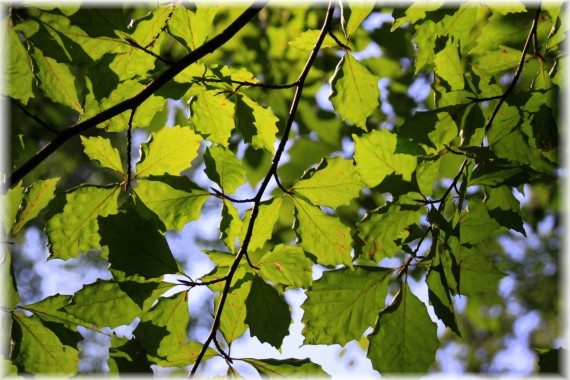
(278, 266)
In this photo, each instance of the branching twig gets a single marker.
(345, 47)
(246, 83)
(219, 194)
(139, 98)
(129, 147)
(280, 185)
(135, 44)
(255, 210)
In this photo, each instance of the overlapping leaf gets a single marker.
(224, 168)
(342, 304)
(286, 265)
(376, 157)
(263, 228)
(257, 124)
(76, 228)
(334, 183)
(295, 368)
(322, 235)
(306, 40)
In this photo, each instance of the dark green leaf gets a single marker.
(127, 356)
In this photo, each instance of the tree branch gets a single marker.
(138, 99)
(272, 170)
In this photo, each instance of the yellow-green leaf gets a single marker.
(213, 116)
(100, 149)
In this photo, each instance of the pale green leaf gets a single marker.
(257, 124)
(376, 158)
(76, 229)
(268, 314)
(176, 200)
(9, 296)
(306, 40)
(497, 61)
(426, 175)
(417, 11)
(169, 151)
(287, 368)
(342, 304)
(405, 338)
(11, 202)
(100, 149)
(18, 70)
(322, 235)
(286, 265)
(263, 227)
(38, 350)
(355, 91)
(230, 225)
(334, 183)
(162, 330)
(356, 13)
(36, 198)
(213, 117)
(193, 28)
(224, 168)
(232, 323)
(185, 354)
(104, 304)
(57, 81)
(381, 228)
(449, 67)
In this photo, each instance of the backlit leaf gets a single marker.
(168, 151)
(322, 235)
(268, 314)
(294, 368)
(18, 74)
(224, 168)
(380, 229)
(334, 183)
(213, 117)
(342, 304)
(448, 66)
(11, 201)
(100, 149)
(263, 227)
(230, 225)
(306, 40)
(186, 354)
(355, 14)
(376, 158)
(257, 124)
(39, 350)
(232, 323)
(478, 273)
(36, 198)
(176, 200)
(76, 229)
(286, 265)
(405, 338)
(355, 91)
(476, 224)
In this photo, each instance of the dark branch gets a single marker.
(135, 44)
(280, 185)
(246, 83)
(338, 41)
(219, 194)
(255, 210)
(129, 147)
(138, 99)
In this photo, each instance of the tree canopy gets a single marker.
(398, 165)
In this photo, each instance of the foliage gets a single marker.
(388, 190)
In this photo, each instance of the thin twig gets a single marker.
(246, 83)
(129, 148)
(345, 47)
(139, 98)
(135, 44)
(218, 194)
(280, 185)
(34, 117)
(517, 73)
(255, 210)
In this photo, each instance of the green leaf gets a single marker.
(100, 149)
(38, 350)
(476, 224)
(232, 323)
(11, 202)
(356, 13)
(9, 296)
(448, 66)
(416, 12)
(186, 354)
(213, 117)
(426, 175)
(306, 40)
(478, 274)
(506, 120)
(505, 208)
(268, 314)
(168, 151)
(224, 168)
(176, 200)
(104, 304)
(193, 28)
(19, 75)
(57, 81)
(76, 229)
(263, 228)
(162, 329)
(335, 182)
(342, 304)
(549, 360)
(144, 292)
(230, 225)
(499, 172)
(380, 229)
(136, 247)
(127, 356)
(376, 158)
(355, 91)
(286, 265)
(286, 368)
(498, 61)
(405, 338)
(322, 235)
(36, 198)
(257, 124)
